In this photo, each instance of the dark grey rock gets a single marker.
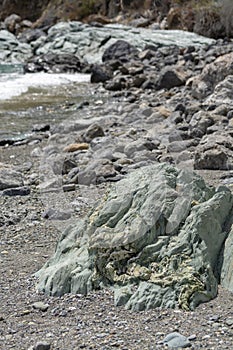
(68, 164)
(54, 63)
(115, 85)
(181, 145)
(214, 158)
(169, 78)
(18, 191)
(69, 187)
(120, 50)
(42, 345)
(41, 127)
(100, 74)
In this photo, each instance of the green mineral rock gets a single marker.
(159, 237)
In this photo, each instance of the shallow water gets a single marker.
(40, 98)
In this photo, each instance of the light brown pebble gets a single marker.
(76, 147)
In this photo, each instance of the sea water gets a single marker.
(36, 98)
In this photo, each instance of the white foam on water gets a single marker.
(14, 84)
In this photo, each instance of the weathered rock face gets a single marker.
(156, 237)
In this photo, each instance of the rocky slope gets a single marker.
(156, 103)
(208, 17)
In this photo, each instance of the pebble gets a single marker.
(229, 321)
(69, 187)
(176, 340)
(18, 191)
(42, 345)
(39, 305)
(76, 147)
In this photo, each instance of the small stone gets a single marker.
(176, 340)
(25, 312)
(69, 187)
(42, 346)
(4, 252)
(53, 214)
(192, 337)
(229, 322)
(93, 131)
(49, 335)
(76, 147)
(207, 336)
(41, 127)
(18, 191)
(215, 318)
(39, 305)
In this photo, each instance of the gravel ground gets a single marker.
(76, 321)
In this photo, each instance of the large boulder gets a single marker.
(55, 63)
(214, 152)
(222, 93)
(121, 49)
(170, 77)
(213, 73)
(156, 237)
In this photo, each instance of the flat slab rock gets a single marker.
(156, 237)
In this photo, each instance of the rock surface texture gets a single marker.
(156, 238)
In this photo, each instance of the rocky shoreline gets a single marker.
(159, 104)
